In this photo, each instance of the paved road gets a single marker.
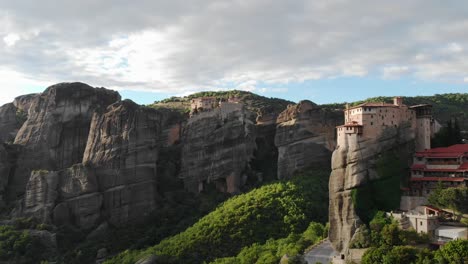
(322, 253)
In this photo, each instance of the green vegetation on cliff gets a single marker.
(18, 246)
(382, 193)
(271, 212)
(253, 102)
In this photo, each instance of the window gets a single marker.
(371, 116)
(420, 223)
(371, 123)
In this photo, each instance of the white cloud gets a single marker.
(11, 39)
(454, 47)
(465, 79)
(179, 46)
(355, 70)
(395, 72)
(14, 84)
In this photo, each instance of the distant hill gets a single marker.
(444, 106)
(254, 102)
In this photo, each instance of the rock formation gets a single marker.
(304, 137)
(217, 148)
(55, 133)
(123, 150)
(357, 171)
(9, 123)
(116, 181)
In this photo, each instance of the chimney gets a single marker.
(398, 101)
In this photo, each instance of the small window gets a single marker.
(371, 123)
(371, 116)
(420, 223)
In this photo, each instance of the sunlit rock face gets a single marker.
(355, 166)
(304, 137)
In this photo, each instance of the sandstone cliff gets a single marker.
(12, 117)
(366, 177)
(116, 181)
(304, 137)
(9, 123)
(55, 133)
(217, 148)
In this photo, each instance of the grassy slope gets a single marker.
(272, 211)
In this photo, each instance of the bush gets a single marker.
(453, 252)
(18, 246)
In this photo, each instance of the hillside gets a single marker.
(272, 211)
(253, 102)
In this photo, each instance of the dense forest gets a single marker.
(280, 214)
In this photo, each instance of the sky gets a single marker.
(324, 51)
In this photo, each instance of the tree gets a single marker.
(454, 252)
(452, 198)
(448, 135)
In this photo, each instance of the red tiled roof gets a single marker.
(448, 152)
(418, 166)
(433, 208)
(447, 179)
(374, 105)
(445, 170)
(464, 166)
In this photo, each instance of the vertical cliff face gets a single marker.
(366, 176)
(123, 150)
(217, 147)
(55, 133)
(5, 168)
(9, 123)
(12, 117)
(304, 137)
(116, 181)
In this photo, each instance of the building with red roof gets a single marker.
(447, 165)
(372, 120)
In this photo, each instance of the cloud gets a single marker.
(11, 39)
(454, 47)
(395, 72)
(179, 46)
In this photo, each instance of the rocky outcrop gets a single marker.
(12, 117)
(55, 133)
(358, 183)
(123, 150)
(304, 137)
(217, 148)
(116, 181)
(9, 123)
(23, 102)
